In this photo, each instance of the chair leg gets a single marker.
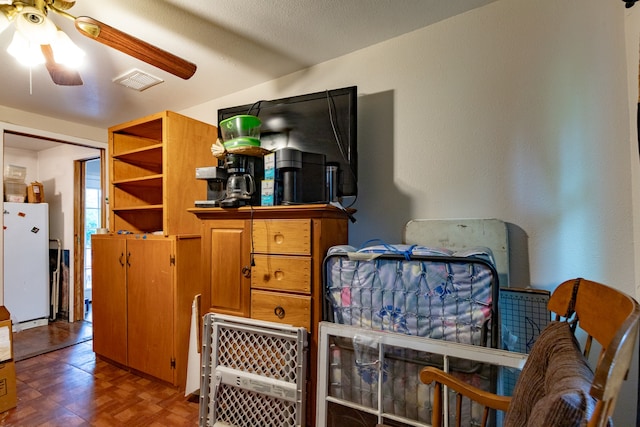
(436, 414)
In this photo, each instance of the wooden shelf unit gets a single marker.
(152, 162)
(145, 280)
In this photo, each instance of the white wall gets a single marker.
(57, 174)
(25, 158)
(632, 30)
(517, 111)
(524, 123)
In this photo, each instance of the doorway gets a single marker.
(89, 218)
(50, 158)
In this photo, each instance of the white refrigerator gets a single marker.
(26, 260)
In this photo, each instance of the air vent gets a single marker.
(137, 80)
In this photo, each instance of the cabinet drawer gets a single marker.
(287, 273)
(282, 236)
(282, 308)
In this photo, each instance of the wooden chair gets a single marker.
(556, 383)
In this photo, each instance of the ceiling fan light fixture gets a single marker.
(5, 18)
(24, 51)
(66, 52)
(35, 26)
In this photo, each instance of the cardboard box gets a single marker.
(267, 193)
(8, 391)
(6, 335)
(270, 166)
(35, 192)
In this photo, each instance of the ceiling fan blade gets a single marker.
(60, 74)
(135, 47)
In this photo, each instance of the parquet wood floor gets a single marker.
(54, 336)
(70, 387)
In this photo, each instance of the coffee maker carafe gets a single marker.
(240, 183)
(240, 186)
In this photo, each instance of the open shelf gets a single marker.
(152, 172)
(143, 181)
(138, 208)
(146, 155)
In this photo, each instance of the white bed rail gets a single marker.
(374, 339)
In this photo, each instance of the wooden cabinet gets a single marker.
(144, 283)
(227, 251)
(281, 273)
(152, 164)
(281, 307)
(109, 293)
(150, 296)
(266, 263)
(285, 273)
(143, 288)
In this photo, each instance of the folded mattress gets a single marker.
(414, 290)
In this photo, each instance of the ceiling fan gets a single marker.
(36, 32)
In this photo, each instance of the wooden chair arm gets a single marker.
(485, 398)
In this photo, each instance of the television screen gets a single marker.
(322, 122)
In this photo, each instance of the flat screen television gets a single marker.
(322, 122)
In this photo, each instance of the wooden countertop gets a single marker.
(281, 211)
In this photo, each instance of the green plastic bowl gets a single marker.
(243, 141)
(240, 126)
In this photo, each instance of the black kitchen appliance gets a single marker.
(244, 175)
(216, 177)
(301, 176)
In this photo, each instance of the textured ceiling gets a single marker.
(235, 44)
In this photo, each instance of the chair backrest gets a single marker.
(611, 318)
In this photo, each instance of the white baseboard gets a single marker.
(30, 324)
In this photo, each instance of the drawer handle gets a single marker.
(279, 312)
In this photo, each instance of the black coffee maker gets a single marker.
(216, 177)
(244, 173)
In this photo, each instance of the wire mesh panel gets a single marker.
(246, 400)
(253, 373)
(524, 314)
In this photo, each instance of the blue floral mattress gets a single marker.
(415, 290)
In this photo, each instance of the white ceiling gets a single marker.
(236, 44)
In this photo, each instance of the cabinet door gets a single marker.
(230, 267)
(150, 307)
(109, 298)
